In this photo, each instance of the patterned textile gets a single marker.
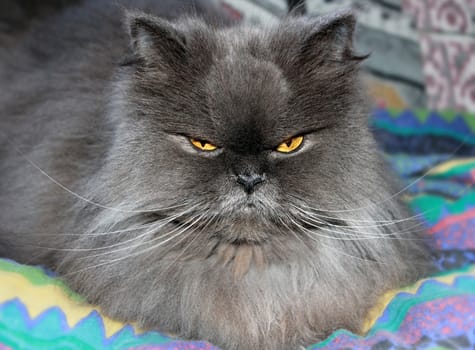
(38, 312)
(422, 51)
(448, 50)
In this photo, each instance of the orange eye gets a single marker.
(203, 145)
(290, 145)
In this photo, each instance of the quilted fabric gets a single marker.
(435, 155)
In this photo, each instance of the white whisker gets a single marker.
(137, 238)
(95, 234)
(79, 196)
(394, 195)
(206, 224)
(353, 229)
(153, 226)
(112, 261)
(374, 223)
(342, 235)
(181, 228)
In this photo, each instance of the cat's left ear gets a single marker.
(331, 38)
(155, 40)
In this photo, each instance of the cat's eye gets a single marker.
(203, 145)
(290, 145)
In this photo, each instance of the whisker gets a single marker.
(394, 195)
(206, 224)
(339, 251)
(321, 224)
(109, 262)
(79, 196)
(182, 227)
(347, 236)
(363, 236)
(152, 226)
(96, 234)
(185, 237)
(374, 261)
(377, 223)
(141, 236)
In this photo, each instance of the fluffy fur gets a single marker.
(101, 184)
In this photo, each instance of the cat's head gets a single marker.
(245, 123)
(244, 137)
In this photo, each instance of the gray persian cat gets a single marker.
(212, 182)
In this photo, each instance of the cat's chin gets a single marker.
(249, 227)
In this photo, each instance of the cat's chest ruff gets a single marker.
(239, 258)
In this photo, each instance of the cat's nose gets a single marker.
(250, 182)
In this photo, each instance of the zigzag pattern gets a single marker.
(50, 331)
(460, 126)
(435, 310)
(398, 313)
(46, 317)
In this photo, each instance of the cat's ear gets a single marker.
(330, 38)
(155, 40)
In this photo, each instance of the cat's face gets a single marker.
(245, 124)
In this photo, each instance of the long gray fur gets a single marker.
(96, 106)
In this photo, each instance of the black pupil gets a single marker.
(288, 143)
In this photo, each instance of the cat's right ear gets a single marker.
(330, 38)
(155, 41)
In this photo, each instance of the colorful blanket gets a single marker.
(435, 155)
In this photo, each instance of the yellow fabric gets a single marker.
(383, 302)
(39, 298)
